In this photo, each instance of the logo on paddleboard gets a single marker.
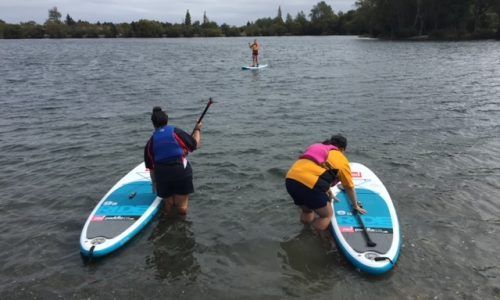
(98, 218)
(341, 212)
(347, 229)
(356, 174)
(109, 203)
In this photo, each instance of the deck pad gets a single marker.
(378, 221)
(121, 209)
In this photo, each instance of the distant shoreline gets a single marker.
(427, 21)
(409, 39)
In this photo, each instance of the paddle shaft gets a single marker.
(369, 241)
(203, 114)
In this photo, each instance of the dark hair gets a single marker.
(337, 140)
(159, 117)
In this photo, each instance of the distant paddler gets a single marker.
(255, 46)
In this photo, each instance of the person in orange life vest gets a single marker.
(309, 180)
(165, 156)
(255, 52)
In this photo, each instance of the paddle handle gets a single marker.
(203, 114)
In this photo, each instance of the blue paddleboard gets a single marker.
(253, 68)
(381, 223)
(120, 214)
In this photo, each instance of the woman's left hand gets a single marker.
(331, 196)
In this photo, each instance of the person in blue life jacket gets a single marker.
(165, 156)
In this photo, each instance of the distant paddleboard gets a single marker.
(253, 68)
(121, 214)
(381, 223)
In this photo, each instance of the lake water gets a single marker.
(425, 117)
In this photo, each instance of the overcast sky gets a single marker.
(232, 12)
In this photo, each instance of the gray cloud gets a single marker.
(236, 12)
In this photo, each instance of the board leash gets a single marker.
(89, 258)
(381, 258)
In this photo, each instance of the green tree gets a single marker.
(53, 26)
(2, 28)
(279, 17)
(208, 28)
(69, 21)
(302, 23)
(495, 9)
(321, 12)
(229, 30)
(55, 30)
(290, 24)
(147, 28)
(350, 23)
(54, 16)
(124, 30)
(110, 30)
(175, 30)
(252, 29)
(205, 18)
(187, 19)
(12, 31)
(279, 27)
(322, 18)
(479, 10)
(31, 30)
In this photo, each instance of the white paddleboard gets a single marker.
(125, 209)
(253, 68)
(381, 223)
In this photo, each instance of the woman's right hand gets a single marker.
(198, 126)
(359, 209)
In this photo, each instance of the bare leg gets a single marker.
(168, 205)
(257, 60)
(307, 215)
(325, 217)
(181, 202)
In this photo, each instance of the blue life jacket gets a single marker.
(165, 146)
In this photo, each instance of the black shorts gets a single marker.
(304, 196)
(173, 179)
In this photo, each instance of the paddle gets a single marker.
(369, 241)
(203, 114)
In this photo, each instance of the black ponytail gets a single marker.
(159, 117)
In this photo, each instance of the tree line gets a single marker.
(395, 19)
(439, 19)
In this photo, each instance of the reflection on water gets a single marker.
(309, 262)
(310, 255)
(255, 74)
(173, 247)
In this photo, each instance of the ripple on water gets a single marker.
(76, 116)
